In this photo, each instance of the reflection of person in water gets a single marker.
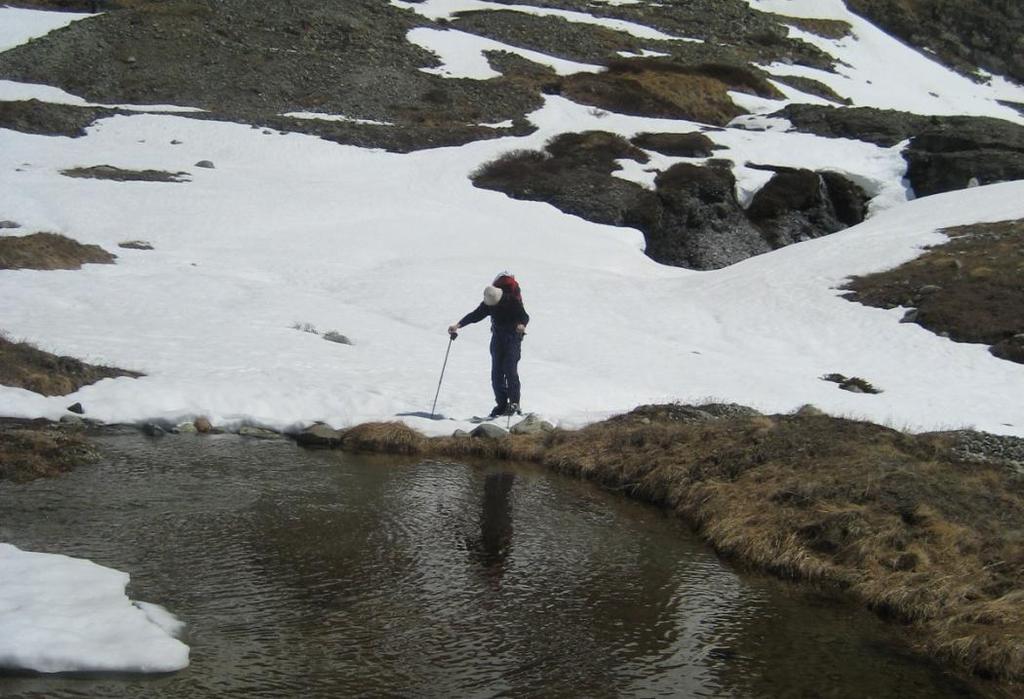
(495, 541)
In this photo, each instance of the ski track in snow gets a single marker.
(389, 249)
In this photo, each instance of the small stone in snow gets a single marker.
(76, 408)
(205, 163)
(488, 431)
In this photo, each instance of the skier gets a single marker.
(503, 302)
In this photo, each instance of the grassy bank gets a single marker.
(896, 522)
(31, 449)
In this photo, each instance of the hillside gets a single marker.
(714, 135)
(224, 215)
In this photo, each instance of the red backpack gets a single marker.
(508, 285)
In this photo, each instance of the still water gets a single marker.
(319, 574)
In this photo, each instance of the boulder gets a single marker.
(799, 204)
(202, 425)
(699, 223)
(949, 158)
(151, 429)
(531, 424)
(186, 428)
(488, 431)
(258, 433)
(319, 435)
(945, 153)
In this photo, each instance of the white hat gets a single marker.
(492, 295)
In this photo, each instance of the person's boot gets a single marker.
(499, 410)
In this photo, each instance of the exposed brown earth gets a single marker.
(49, 251)
(898, 523)
(25, 366)
(970, 289)
(663, 89)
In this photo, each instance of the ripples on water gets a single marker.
(318, 574)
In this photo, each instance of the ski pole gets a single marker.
(451, 338)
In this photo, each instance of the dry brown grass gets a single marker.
(973, 287)
(25, 366)
(646, 87)
(49, 251)
(30, 450)
(890, 520)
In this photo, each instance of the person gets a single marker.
(503, 302)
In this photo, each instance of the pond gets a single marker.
(322, 574)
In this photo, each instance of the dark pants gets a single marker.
(505, 349)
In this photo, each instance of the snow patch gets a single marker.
(62, 614)
(19, 26)
(462, 55)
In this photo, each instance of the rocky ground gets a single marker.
(254, 62)
(965, 34)
(970, 289)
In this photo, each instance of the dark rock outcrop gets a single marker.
(962, 33)
(799, 205)
(944, 160)
(692, 218)
(700, 223)
(945, 153)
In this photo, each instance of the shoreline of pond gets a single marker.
(915, 528)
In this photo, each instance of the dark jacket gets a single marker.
(505, 315)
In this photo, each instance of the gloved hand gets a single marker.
(453, 331)
(521, 329)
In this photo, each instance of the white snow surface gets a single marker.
(462, 54)
(19, 26)
(874, 69)
(387, 248)
(390, 249)
(62, 614)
